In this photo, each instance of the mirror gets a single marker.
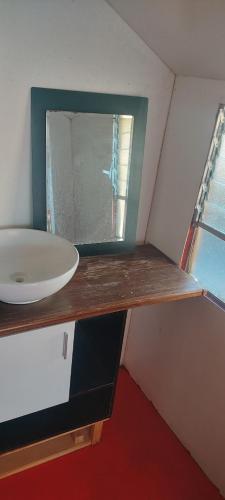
(87, 175)
(87, 155)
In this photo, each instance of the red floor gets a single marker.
(139, 458)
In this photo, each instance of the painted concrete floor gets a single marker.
(138, 458)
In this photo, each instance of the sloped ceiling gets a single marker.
(188, 35)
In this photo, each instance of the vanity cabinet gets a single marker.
(97, 298)
(35, 370)
(40, 387)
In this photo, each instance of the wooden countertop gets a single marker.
(104, 284)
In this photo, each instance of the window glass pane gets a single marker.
(214, 208)
(212, 192)
(214, 216)
(208, 262)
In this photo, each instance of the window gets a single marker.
(206, 242)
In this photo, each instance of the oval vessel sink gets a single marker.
(34, 264)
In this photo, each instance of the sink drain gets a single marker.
(19, 280)
(18, 277)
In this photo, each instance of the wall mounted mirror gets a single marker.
(87, 175)
(87, 153)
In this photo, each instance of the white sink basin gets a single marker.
(34, 264)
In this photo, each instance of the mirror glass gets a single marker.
(87, 175)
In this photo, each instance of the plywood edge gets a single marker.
(23, 458)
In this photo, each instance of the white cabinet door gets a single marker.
(35, 370)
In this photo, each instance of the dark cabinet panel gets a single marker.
(96, 354)
(80, 411)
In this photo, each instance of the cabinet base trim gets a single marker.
(34, 454)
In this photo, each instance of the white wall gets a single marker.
(78, 45)
(192, 117)
(176, 352)
(188, 35)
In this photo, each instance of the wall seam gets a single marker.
(160, 154)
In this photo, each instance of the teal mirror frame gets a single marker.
(43, 100)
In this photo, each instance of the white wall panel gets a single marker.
(77, 45)
(176, 352)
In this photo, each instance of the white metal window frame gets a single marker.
(218, 132)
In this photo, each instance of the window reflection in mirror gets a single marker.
(87, 175)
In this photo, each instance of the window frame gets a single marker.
(185, 262)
